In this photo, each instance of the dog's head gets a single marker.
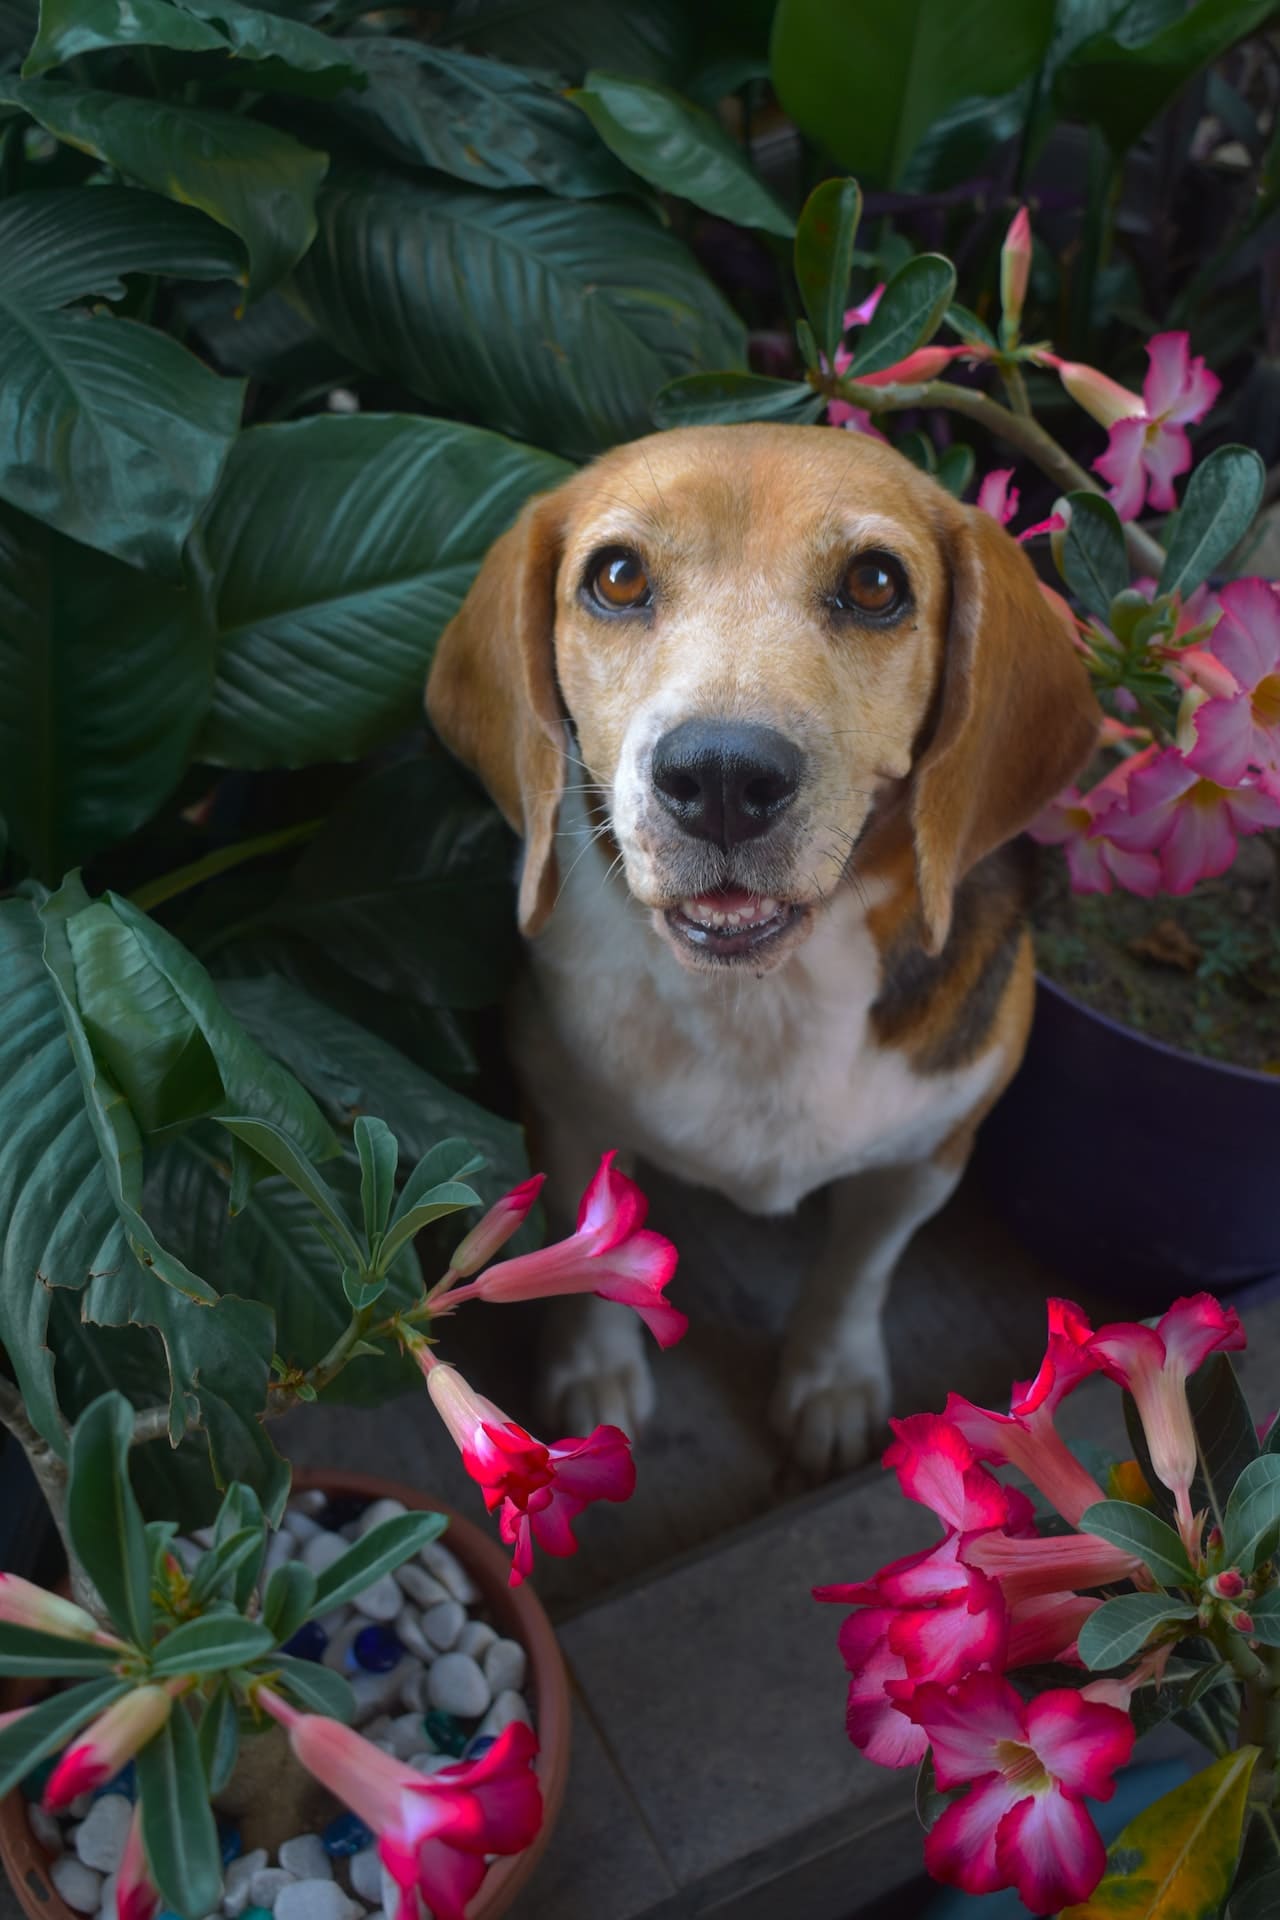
(765, 638)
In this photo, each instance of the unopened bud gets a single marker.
(1105, 400)
(1015, 269)
(1242, 1622)
(1213, 1540)
(1228, 1584)
(503, 1219)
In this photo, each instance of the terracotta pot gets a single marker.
(516, 1612)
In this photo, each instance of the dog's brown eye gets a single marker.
(619, 582)
(873, 584)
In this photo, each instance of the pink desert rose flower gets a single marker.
(936, 1466)
(612, 1253)
(503, 1219)
(1148, 449)
(1081, 824)
(1047, 1628)
(107, 1744)
(1055, 1563)
(537, 1490)
(1154, 1364)
(1015, 269)
(433, 1832)
(1001, 500)
(136, 1897)
(1029, 1768)
(22, 1604)
(1190, 823)
(1240, 729)
(924, 364)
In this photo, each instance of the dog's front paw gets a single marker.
(595, 1371)
(831, 1404)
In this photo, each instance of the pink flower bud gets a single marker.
(136, 1897)
(1242, 1622)
(1228, 1585)
(1106, 401)
(503, 1219)
(1015, 267)
(1213, 1540)
(102, 1749)
(25, 1605)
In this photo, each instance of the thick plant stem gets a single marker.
(50, 1472)
(1020, 430)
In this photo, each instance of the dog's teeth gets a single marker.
(768, 908)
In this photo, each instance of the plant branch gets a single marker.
(167, 886)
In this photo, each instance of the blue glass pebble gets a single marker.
(444, 1733)
(346, 1835)
(125, 1782)
(256, 1913)
(309, 1642)
(481, 1743)
(229, 1842)
(376, 1649)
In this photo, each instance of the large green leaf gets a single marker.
(54, 1200)
(26, 1651)
(1252, 1522)
(105, 677)
(289, 48)
(725, 399)
(381, 1550)
(211, 1645)
(103, 1519)
(1120, 82)
(552, 320)
(251, 178)
(1095, 564)
(1223, 494)
(825, 236)
(678, 148)
(1121, 1628)
(338, 549)
(351, 1071)
(1140, 1532)
(656, 41)
(479, 120)
(60, 244)
(869, 79)
(1177, 1860)
(178, 1829)
(909, 313)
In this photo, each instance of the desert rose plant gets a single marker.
(1067, 1611)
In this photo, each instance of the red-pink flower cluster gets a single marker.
(933, 1635)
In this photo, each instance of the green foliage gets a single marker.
(1177, 1860)
(1251, 1524)
(1121, 1628)
(910, 312)
(1217, 510)
(824, 249)
(726, 399)
(1141, 1533)
(103, 1519)
(1095, 564)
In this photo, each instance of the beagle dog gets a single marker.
(765, 703)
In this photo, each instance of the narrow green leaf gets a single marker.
(288, 1159)
(381, 1550)
(1140, 1532)
(316, 1688)
(26, 1651)
(1120, 1628)
(1265, 1614)
(218, 1737)
(242, 1508)
(211, 1645)
(909, 314)
(216, 1569)
(1177, 1860)
(678, 148)
(825, 236)
(178, 1828)
(968, 326)
(450, 1197)
(379, 1155)
(726, 399)
(361, 1288)
(47, 1727)
(288, 1600)
(444, 1161)
(1251, 1524)
(102, 1514)
(160, 1536)
(1217, 510)
(1095, 564)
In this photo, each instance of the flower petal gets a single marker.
(960, 1848)
(1079, 1742)
(1122, 465)
(1048, 1847)
(967, 1725)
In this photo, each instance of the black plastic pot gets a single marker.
(1132, 1168)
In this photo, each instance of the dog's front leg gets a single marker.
(593, 1367)
(832, 1396)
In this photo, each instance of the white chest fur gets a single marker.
(764, 1089)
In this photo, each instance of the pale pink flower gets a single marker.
(503, 1219)
(1052, 1563)
(22, 1604)
(136, 1897)
(97, 1754)
(1190, 823)
(611, 1254)
(433, 1832)
(1240, 729)
(1046, 1627)
(1153, 1364)
(538, 1490)
(1081, 824)
(1029, 1768)
(1148, 448)
(1015, 270)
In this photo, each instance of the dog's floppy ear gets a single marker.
(1016, 719)
(492, 695)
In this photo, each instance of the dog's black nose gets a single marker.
(724, 781)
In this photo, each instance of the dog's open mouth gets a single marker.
(730, 922)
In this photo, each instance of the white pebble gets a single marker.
(303, 1528)
(321, 1550)
(390, 1896)
(505, 1666)
(203, 1537)
(413, 1689)
(268, 1884)
(405, 1735)
(78, 1808)
(366, 1875)
(312, 1502)
(45, 1828)
(382, 1601)
(410, 1635)
(100, 1838)
(455, 1684)
(420, 1586)
(235, 1887)
(280, 1547)
(334, 1621)
(373, 1516)
(506, 1708)
(79, 1885)
(444, 1623)
(375, 1692)
(476, 1638)
(335, 1654)
(439, 1561)
(108, 1910)
(306, 1858)
(379, 1729)
(316, 1900)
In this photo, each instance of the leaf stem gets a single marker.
(167, 886)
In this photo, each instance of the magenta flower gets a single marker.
(136, 1897)
(538, 1490)
(1046, 1627)
(1037, 1565)
(936, 1466)
(611, 1253)
(1241, 731)
(1190, 823)
(107, 1744)
(503, 1219)
(433, 1832)
(1030, 1442)
(1029, 1768)
(1153, 1364)
(1147, 450)
(1081, 824)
